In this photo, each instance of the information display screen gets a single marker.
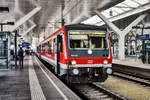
(86, 32)
(87, 39)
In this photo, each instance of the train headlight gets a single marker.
(109, 71)
(105, 62)
(73, 62)
(75, 71)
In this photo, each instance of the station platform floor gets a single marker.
(33, 82)
(131, 61)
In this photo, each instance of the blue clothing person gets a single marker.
(20, 57)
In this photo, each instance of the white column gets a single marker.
(121, 33)
(128, 13)
(121, 47)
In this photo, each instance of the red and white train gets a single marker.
(79, 53)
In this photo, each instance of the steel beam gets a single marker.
(134, 23)
(110, 24)
(127, 14)
(122, 33)
(25, 18)
(32, 27)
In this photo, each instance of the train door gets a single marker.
(58, 50)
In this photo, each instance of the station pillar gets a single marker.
(15, 49)
(121, 48)
(121, 33)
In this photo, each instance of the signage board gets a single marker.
(143, 37)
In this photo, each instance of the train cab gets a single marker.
(79, 53)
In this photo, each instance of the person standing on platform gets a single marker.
(20, 57)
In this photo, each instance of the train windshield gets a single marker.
(87, 39)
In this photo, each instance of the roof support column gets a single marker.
(121, 47)
(121, 33)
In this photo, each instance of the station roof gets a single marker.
(48, 19)
(116, 10)
(51, 11)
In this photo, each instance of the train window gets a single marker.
(87, 40)
(52, 45)
(40, 47)
(60, 45)
(37, 48)
(44, 47)
(97, 42)
(54, 41)
(49, 46)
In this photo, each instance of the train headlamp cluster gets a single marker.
(109, 71)
(75, 71)
(105, 62)
(73, 62)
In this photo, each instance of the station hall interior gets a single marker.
(29, 24)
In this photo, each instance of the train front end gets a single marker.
(89, 57)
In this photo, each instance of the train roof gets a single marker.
(80, 26)
(85, 26)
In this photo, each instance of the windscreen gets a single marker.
(87, 39)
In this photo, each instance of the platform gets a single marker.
(131, 61)
(132, 66)
(33, 82)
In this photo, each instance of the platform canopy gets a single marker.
(35, 17)
(119, 9)
(51, 12)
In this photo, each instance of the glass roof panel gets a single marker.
(92, 20)
(130, 3)
(122, 6)
(141, 1)
(106, 13)
(112, 11)
(116, 10)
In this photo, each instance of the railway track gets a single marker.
(131, 70)
(132, 78)
(96, 92)
(93, 91)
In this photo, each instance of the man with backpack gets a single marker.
(20, 57)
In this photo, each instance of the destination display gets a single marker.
(86, 32)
